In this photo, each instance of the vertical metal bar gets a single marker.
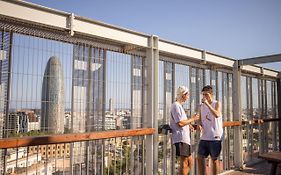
(278, 81)
(121, 157)
(204, 77)
(152, 55)
(138, 156)
(95, 158)
(81, 156)
(217, 85)
(5, 131)
(126, 157)
(237, 115)
(274, 126)
(87, 157)
(103, 102)
(114, 155)
(102, 153)
(196, 109)
(132, 157)
(27, 155)
(251, 118)
(109, 164)
(173, 161)
(71, 154)
(148, 119)
(56, 156)
(223, 102)
(133, 119)
(37, 157)
(229, 85)
(71, 146)
(155, 104)
(63, 160)
(247, 127)
(8, 85)
(143, 150)
(260, 114)
(265, 126)
(17, 157)
(89, 92)
(165, 112)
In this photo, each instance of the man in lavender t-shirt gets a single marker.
(180, 130)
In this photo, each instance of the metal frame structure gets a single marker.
(153, 47)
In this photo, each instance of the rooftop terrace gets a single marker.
(84, 97)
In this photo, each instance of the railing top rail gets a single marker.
(68, 138)
(249, 122)
(77, 137)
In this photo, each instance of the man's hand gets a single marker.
(195, 117)
(191, 128)
(200, 128)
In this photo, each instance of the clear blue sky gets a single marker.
(238, 28)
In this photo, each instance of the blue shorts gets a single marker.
(212, 148)
(182, 149)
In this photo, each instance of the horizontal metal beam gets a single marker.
(260, 60)
(33, 13)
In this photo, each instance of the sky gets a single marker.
(238, 29)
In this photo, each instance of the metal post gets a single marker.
(173, 160)
(279, 106)
(238, 163)
(103, 105)
(5, 135)
(151, 120)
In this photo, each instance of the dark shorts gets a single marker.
(182, 149)
(212, 148)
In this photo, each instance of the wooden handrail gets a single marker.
(233, 123)
(68, 138)
(250, 122)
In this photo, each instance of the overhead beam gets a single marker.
(260, 60)
(32, 13)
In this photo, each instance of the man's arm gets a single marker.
(215, 111)
(182, 123)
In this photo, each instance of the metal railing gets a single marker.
(51, 154)
(108, 152)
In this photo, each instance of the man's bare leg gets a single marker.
(216, 166)
(201, 165)
(184, 165)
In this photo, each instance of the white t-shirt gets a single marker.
(212, 126)
(179, 134)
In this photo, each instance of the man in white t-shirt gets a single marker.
(179, 124)
(212, 128)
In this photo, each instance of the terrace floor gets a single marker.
(262, 168)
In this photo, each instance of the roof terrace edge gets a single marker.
(51, 17)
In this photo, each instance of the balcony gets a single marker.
(79, 96)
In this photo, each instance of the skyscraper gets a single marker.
(52, 109)
(111, 105)
(87, 100)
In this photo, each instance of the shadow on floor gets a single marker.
(262, 168)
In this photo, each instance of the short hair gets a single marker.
(208, 88)
(181, 91)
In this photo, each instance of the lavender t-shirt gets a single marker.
(179, 134)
